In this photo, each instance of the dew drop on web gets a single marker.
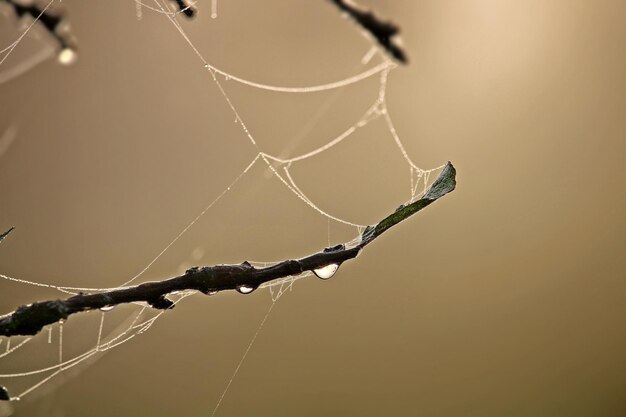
(67, 56)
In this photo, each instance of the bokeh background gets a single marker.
(506, 297)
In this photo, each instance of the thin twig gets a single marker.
(5, 234)
(49, 20)
(184, 8)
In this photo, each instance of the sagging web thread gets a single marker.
(144, 317)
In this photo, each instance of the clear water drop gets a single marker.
(212, 292)
(107, 308)
(67, 56)
(245, 289)
(326, 272)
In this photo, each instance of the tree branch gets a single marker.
(30, 319)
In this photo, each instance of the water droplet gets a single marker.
(245, 289)
(212, 292)
(107, 308)
(326, 272)
(67, 56)
(197, 253)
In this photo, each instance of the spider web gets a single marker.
(114, 327)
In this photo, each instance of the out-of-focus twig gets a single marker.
(385, 32)
(185, 8)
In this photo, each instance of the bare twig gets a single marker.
(184, 8)
(30, 319)
(385, 32)
(51, 21)
(5, 234)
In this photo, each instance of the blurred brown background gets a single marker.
(506, 298)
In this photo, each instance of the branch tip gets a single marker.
(4, 394)
(5, 234)
(161, 303)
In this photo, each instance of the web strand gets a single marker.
(243, 358)
(278, 166)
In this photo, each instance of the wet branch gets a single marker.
(30, 319)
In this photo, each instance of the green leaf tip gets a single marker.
(445, 183)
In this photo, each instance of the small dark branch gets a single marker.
(4, 394)
(31, 318)
(385, 32)
(187, 10)
(5, 234)
(49, 20)
(161, 303)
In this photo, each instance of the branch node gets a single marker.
(368, 234)
(192, 270)
(294, 267)
(335, 248)
(161, 303)
(31, 318)
(247, 265)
